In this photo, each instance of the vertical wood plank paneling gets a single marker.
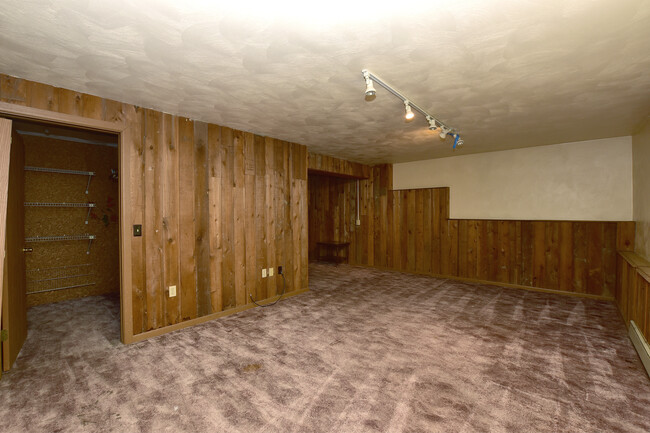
(215, 218)
(171, 193)
(565, 266)
(269, 181)
(239, 202)
(152, 229)
(186, 220)
(136, 200)
(201, 218)
(253, 274)
(260, 240)
(552, 262)
(595, 245)
(228, 217)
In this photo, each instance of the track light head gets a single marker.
(371, 93)
(409, 115)
(443, 133)
(432, 123)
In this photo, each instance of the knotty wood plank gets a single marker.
(201, 219)
(228, 217)
(503, 252)
(152, 228)
(580, 257)
(625, 235)
(427, 218)
(565, 260)
(609, 259)
(539, 253)
(418, 234)
(595, 244)
(135, 117)
(170, 200)
(463, 249)
(215, 218)
(186, 216)
(252, 272)
(552, 258)
(269, 178)
(261, 241)
(239, 201)
(493, 249)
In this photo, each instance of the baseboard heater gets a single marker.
(640, 345)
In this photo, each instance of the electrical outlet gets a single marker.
(264, 273)
(172, 291)
(270, 271)
(279, 270)
(358, 222)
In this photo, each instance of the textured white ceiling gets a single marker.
(507, 73)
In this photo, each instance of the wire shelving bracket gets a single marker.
(90, 174)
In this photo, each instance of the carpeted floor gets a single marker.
(363, 351)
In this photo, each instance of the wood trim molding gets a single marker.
(634, 259)
(30, 113)
(496, 283)
(5, 156)
(186, 324)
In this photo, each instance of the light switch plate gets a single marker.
(172, 291)
(270, 272)
(264, 273)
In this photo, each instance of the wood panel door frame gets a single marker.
(124, 143)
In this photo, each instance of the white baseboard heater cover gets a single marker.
(640, 345)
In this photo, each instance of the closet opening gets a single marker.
(62, 269)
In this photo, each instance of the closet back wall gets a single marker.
(102, 273)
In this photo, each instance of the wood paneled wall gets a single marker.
(410, 230)
(217, 205)
(330, 166)
(633, 291)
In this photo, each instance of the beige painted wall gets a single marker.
(587, 180)
(641, 155)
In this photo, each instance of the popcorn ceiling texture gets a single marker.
(508, 74)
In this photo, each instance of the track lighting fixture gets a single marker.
(432, 123)
(371, 93)
(409, 113)
(409, 106)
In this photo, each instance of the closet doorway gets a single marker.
(62, 230)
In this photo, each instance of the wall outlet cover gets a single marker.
(270, 271)
(264, 273)
(172, 291)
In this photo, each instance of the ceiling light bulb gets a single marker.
(432, 123)
(409, 113)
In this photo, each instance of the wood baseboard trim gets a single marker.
(498, 284)
(640, 345)
(213, 316)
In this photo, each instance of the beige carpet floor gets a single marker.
(363, 351)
